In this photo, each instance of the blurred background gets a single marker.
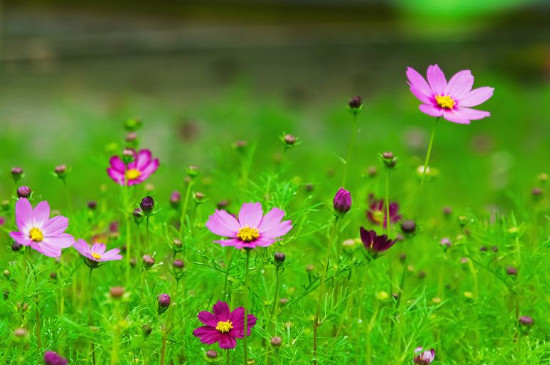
(204, 74)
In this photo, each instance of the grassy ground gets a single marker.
(460, 301)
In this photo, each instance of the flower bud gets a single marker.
(16, 246)
(20, 333)
(526, 321)
(128, 155)
(16, 173)
(147, 329)
(53, 275)
(61, 171)
(342, 201)
(372, 171)
(512, 271)
(192, 171)
(536, 193)
(289, 139)
(447, 211)
(148, 261)
(131, 137)
(222, 204)
(276, 341)
(389, 160)
(178, 264)
(24, 192)
(240, 145)
(92, 205)
(175, 199)
(279, 258)
(163, 302)
(355, 105)
(147, 205)
(133, 124)
(212, 354)
(138, 216)
(116, 292)
(199, 197)
(408, 226)
(6, 273)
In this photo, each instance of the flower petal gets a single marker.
(111, 255)
(262, 242)
(277, 231)
(46, 249)
(207, 335)
(250, 215)
(223, 224)
(272, 218)
(20, 238)
(419, 86)
(431, 110)
(117, 176)
(473, 114)
(23, 214)
(116, 164)
(62, 240)
(476, 96)
(460, 84)
(98, 248)
(227, 341)
(221, 311)
(231, 242)
(208, 319)
(143, 159)
(41, 213)
(436, 79)
(55, 226)
(82, 247)
(455, 117)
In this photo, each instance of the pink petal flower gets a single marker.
(419, 86)
(431, 110)
(436, 79)
(20, 238)
(41, 213)
(207, 335)
(227, 341)
(23, 214)
(460, 84)
(208, 319)
(223, 224)
(477, 96)
(55, 226)
(221, 310)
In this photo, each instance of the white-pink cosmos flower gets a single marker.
(451, 100)
(252, 229)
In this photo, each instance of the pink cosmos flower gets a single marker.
(36, 228)
(451, 100)
(96, 253)
(223, 326)
(251, 229)
(134, 172)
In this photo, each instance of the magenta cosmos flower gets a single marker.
(96, 253)
(36, 228)
(223, 326)
(134, 172)
(251, 229)
(377, 212)
(452, 100)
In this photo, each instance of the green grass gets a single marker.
(466, 309)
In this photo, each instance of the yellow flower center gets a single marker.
(132, 174)
(96, 255)
(445, 101)
(224, 326)
(378, 216)
(247, 234)
(36, 235)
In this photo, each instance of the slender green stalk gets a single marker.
(226, 294)
(273, 317)
(350, 149)
(38, 325)
(322, 287)
(428, 154)
(90, 321)
(146, 233)
(227, 357)
(387, 198)
(184, 208)
(246, 265)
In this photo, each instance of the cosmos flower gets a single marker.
(223, 326)
(251, 229)
(36, 228)
(423, 357)
(96, 254)
(377, 211)
(452, 100)
(375, 243)
(134, 172)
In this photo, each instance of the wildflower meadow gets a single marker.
(408, 226)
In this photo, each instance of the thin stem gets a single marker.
(428, 154)
(246, 306)
(90, 312)
(227, 357)
(350, 148)
(316, 322)
(226, 282)
(38, 329)
(387, 198)
(146, 233)
(184, 208)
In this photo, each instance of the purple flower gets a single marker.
(375, 243)
(342, 201)
(134, 172)
(163, 302)
(423, 357)
(36, 228)
(223, 326)
(2, 221)
(52, 358)
(24, 192)
(96, 253)
(377, 212)
(451, 100)
(251, 229)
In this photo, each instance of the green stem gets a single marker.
(316, 322)
(184, 208)
(350, 149)
(428, 154)
(246, 306)
(226, 282)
